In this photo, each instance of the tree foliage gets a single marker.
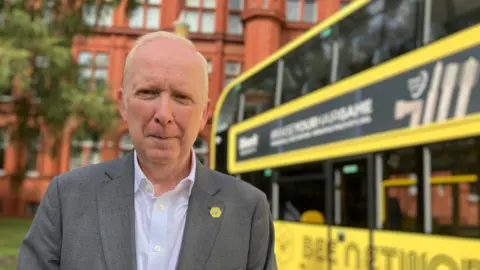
(36, 60)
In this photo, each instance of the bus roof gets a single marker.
(292, 45)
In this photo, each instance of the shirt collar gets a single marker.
(139, 175)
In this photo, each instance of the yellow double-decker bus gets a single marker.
(365, 135)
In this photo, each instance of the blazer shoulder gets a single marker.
(90, 174)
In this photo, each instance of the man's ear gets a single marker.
(121, 104)
(205, 114)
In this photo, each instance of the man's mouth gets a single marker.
(162, 137)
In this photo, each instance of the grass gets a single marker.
(12, 232)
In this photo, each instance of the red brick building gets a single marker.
(232, 34)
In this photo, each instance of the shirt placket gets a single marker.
(158, 233)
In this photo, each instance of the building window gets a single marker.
(2, 18)
(474, 191)
(76, 155)
(6, 90)
(125, 145)
(235, 26)
(48, 11)
(210, 66)
(200, 16)
(3, 148)
(33, 148)
(89, 14)
(200, 147)
(94, 70)
(302, 11)
(31, 208)
(85, 150)
(146, 15)
(38, 81)
(232, 70)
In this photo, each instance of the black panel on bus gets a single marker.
(221, 153)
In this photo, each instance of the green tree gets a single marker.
(36, 59)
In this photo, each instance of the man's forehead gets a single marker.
(167, 48)
(166, 61)
(170, 57)
(165, 54)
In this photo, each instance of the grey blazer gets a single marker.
(86, 220)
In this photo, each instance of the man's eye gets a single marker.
(147, 93)
(182, 99)
(179, 96)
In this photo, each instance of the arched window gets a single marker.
(33, 148)
(200, 147)
(125, 145)
(85, 149)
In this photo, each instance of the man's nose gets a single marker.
(163, 113)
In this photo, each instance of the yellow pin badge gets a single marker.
(215, 212)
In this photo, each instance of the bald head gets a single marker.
(164, 101)
(183, 44)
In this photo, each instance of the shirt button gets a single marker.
(157, 248)
(148, 188)
(160, 206)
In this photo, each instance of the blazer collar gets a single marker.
(116, 213)
(124, 166)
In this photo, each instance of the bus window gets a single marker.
(402, 25)
(450, 16)
(252, 108)
(351, 194)
(455, 208)
(307, 68)
(228, 111)
(200, 148)
(259, 180)
(382, 30)
(399, 189)
(227, 117)
(259, 91)
(298, 200)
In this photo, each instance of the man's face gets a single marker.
(166, 100)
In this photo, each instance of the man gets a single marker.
(157, 207)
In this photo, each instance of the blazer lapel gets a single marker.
(116, 214)
(201, 227)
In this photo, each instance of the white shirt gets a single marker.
(160, 221)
